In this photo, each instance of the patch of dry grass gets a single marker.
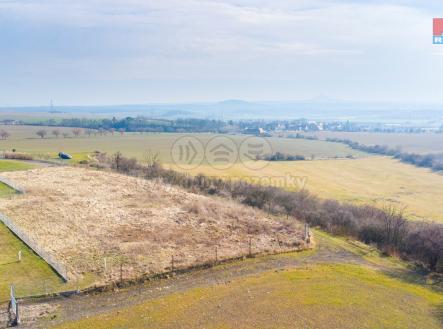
(84, 216)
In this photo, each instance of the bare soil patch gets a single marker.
(94, 221)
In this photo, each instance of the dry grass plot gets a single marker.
(83, 217)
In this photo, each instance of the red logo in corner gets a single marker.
(438, 31)
(438, 27)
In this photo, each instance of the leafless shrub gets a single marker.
(387, 228)
(56, 132)
(76, 132)
(41, 133)
(18, 156)
(4, 134)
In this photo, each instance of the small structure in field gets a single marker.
(64, 156)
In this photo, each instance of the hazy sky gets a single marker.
(135, 51)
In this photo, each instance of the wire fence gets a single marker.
(14, 314)
(12, 185)
(31, 243)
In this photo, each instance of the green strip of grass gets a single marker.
(6, 191)
(31, 276)
(12, 165)
(321, 296)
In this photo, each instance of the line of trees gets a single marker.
(77, 132)
(432, 161)
(387, 228)
(137, 124)
(279, 156)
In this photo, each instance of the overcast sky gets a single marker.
(134, 51)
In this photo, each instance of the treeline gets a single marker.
(432, 161)
(301, 136)
(137, 124)
(278, 156)
(387, 228)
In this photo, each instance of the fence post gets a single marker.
(13, 306)
(17, 314)
(121, 272)
(307, 234)
(250, 246)
(76, 283)
(216, 255)
(20, 256)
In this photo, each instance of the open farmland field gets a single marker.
(318, 289)
(95, 222)
(24, 139)
(372, 180)
(411, 143)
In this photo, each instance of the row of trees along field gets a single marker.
(386, 228)
(137, 124)
(76, 132)
(432, 161)
(42, 133)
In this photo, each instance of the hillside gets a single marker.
(107, 225)
(377, 181)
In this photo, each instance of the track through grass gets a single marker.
(317, 296)
(341, 284)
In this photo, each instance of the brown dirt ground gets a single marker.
(83, 217)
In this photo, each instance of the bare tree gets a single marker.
(89, 132)
(56, 132)
(4, 134)
(112, 131)
(121, 131)
(394, 225)
(76, 132)
(65, 134)
(41, 133)
(287, 202)
(152, 158)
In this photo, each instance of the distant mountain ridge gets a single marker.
(319, 108)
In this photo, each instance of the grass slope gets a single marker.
(12, 165)
(317, 296)
(372, 180)
(6, 191)
(30, 276)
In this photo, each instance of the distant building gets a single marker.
(256, 132)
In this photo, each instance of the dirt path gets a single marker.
(48, 313)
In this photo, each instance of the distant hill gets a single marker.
(319, 108)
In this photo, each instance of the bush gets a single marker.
(387, 227)
(18, 156)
